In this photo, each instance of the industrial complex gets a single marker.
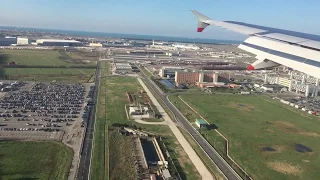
(148, 96)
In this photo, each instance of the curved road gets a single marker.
(210, 151)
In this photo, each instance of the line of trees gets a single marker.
(160, 85)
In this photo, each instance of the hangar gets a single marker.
(58, 42)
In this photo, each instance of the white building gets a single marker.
(122, 68)
(185, 46)
(58, 42)
(95, 45)
(23, 41)
(166, 71)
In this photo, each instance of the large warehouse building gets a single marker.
(58, 42)
(23, 41)
(182, 77)
(122, 68)
(7, 41)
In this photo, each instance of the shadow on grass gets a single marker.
(1, 166)
(212, 127)
(3, 60)
(25, 178)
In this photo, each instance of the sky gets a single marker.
(160, 17)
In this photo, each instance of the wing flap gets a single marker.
(284, 37)
(312, 44)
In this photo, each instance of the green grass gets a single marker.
(207, 161)
(32, 57)
(38, 57)
(185, 110)
(51, 58)
(121, 159)
(47, 74)
(114, 102)
(99, 168)
(144, 70)
(251, 123)
(34, 160)
(219, 142)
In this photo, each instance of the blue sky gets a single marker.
(160, 17)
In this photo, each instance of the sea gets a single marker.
(123, 36)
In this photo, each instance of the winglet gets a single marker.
(201, 20)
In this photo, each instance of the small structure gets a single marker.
(138, 110)
(166, 174)
(201, 123)
(245, 92)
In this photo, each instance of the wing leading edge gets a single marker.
(292, 37)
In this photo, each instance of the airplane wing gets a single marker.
(300, 51)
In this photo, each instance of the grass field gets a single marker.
(115, 101)
(207, 161)
(38, 57)
(99, 168)
(113, 89)
(253, 127)
(121, 159)
(70, 72)
(47, 74)
(34, 160)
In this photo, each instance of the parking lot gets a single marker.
(309, 105)
(42, 110)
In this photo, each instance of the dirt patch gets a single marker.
(284, 124)
(241, 106)
(183, 159)
(311, 134)
(288, 127)
(285, 168)
(270, 130)
(279, 148)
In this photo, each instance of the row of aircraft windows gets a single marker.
(284, 55)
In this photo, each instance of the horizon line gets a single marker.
(17, 27)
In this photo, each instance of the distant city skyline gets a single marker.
(159, 18)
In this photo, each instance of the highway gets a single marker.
(83, 172)
(211, 152)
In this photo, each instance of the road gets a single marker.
(211, 152)
(194, 158)
(85, 156)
